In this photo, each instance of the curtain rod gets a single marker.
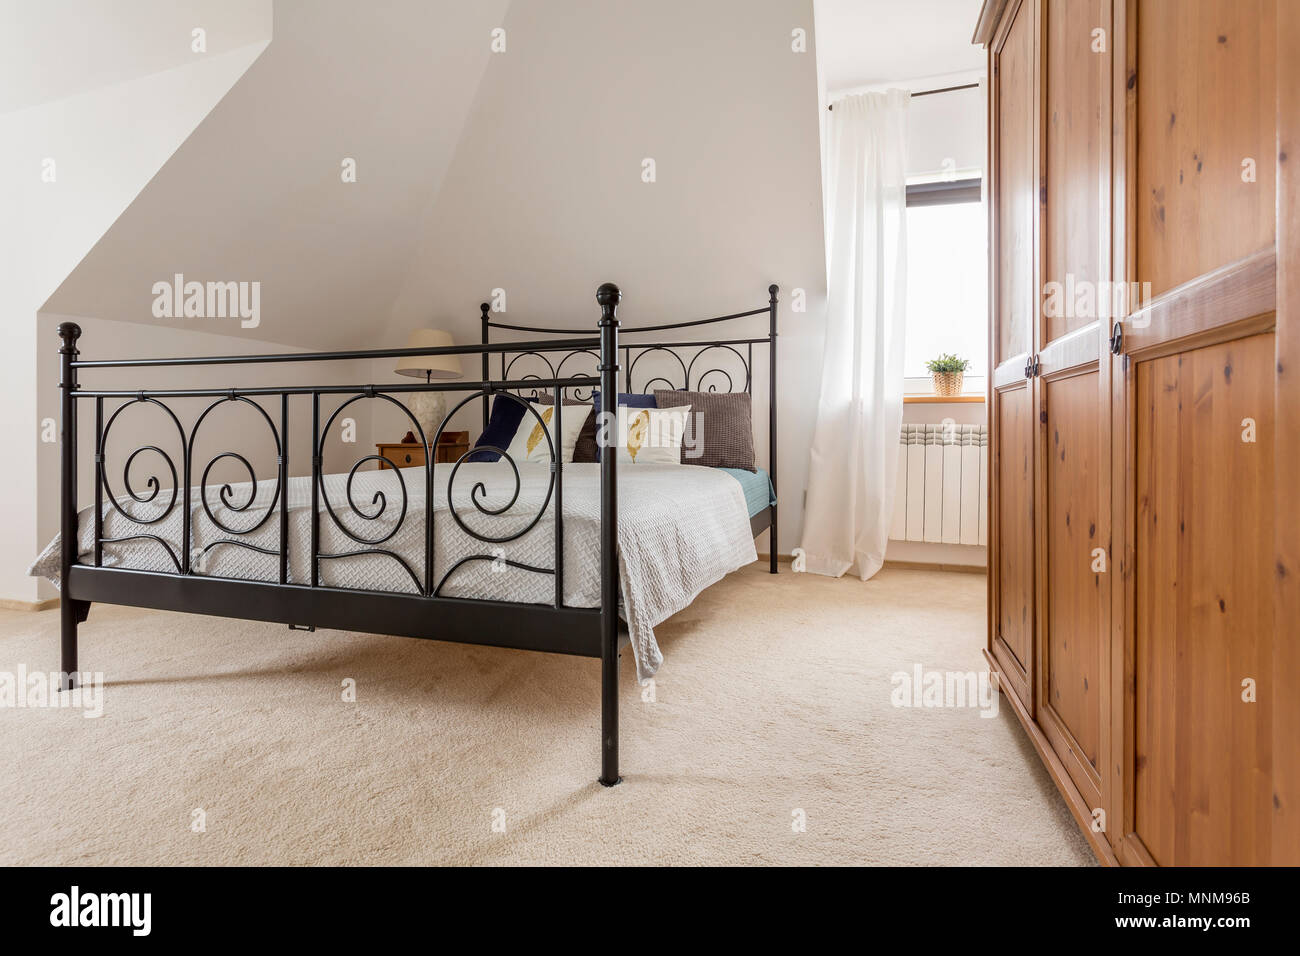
(946, 89)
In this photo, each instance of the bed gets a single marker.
(545, 556)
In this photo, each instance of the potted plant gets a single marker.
(946, 373)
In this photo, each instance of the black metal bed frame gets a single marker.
(588, 632)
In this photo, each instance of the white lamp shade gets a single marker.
(430, 366)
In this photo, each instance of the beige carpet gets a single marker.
(774, 697)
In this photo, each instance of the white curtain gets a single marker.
(855, 445)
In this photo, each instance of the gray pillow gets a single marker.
(728, 422)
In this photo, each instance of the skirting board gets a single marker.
(930, 566)
(9, 604)
(904, 565)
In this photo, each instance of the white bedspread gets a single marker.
(680, 529)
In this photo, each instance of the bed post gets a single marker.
(484, 307)
(70, 612)
(771, 417)
(608, 296)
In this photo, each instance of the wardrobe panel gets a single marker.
(1076, 68)
(1204, 427)
(1075, 630)
(1013, 483)
(1017, 192)
(1205, 128)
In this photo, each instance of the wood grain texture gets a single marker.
(1073, 481)
(1286, 529)
(1123, 162)
(1076, 146)
(1207, 308)
(1013, 484)
(1206, 103)
(990, 15)
(1017, 192)
(1012, 263)
(1075, 640)
(1202, 528)
(1204, 604)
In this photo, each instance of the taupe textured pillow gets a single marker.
(728, 421)
(584, 452)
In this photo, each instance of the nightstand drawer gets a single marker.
(404, 455)
(411, 454)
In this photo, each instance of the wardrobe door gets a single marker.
(1202, 422)
(1073, 479)
(1012, 285)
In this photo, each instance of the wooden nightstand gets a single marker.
(411, 455)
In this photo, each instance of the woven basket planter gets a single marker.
(947, 384)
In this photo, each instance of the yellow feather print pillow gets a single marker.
(530, 444)
(651, 436)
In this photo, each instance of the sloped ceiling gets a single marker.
(256, 192)
(99, 44)
(547, 198)
(866, 42)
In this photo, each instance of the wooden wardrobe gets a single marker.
(1144, 545)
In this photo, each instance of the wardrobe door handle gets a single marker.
(1029, 367)
(1116, 338)
(1036, 365)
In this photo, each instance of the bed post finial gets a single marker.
(772, 290)
(607, 439)
(609, 296)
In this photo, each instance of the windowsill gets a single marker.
(932, 399)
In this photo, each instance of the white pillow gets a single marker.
(651, 436)
(529, 444)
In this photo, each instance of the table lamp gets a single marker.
(429, 407)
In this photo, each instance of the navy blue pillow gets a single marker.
(503, 422)
(629, 399)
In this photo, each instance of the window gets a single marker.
(947, 280)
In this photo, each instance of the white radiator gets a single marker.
(941, 495)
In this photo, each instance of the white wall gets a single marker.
(947, 127)
(545, 199)
(54, 49)
(106, 144)
(258, 192)
(889, 41)
(942, 126)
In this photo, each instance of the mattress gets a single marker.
(680, 529)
